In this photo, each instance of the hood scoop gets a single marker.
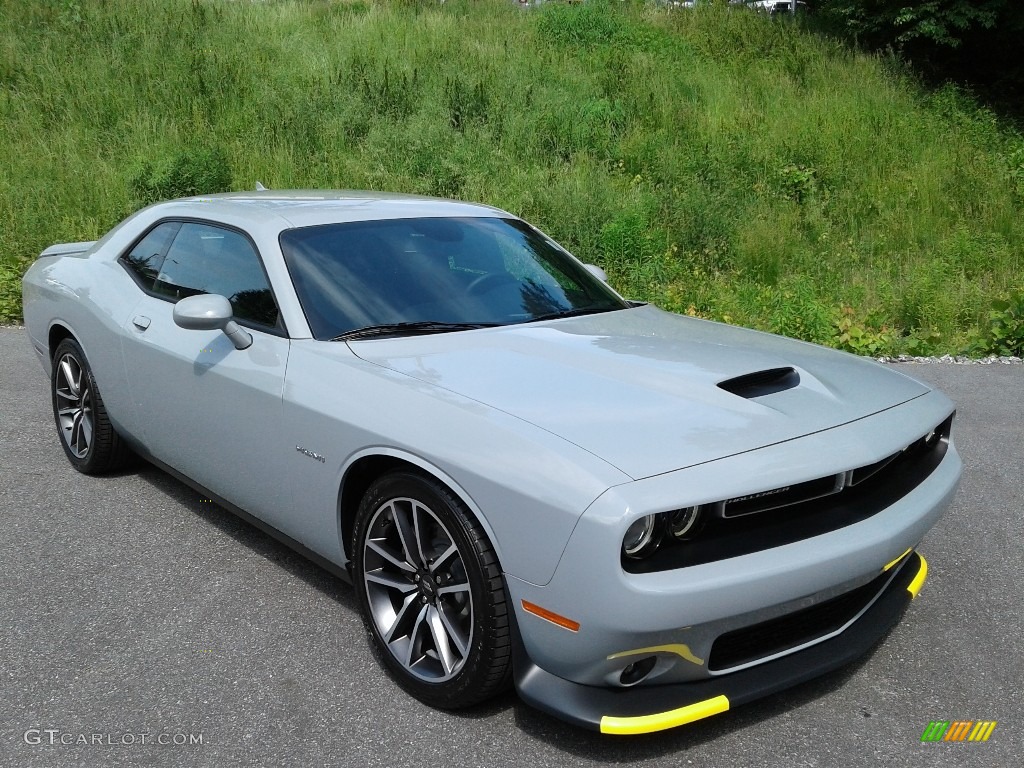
(761, 383)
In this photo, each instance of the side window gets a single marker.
(208, 259)
(147, 257)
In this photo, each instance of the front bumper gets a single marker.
(645, 709)
(671, 646)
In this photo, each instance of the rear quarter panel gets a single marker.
(91, 299)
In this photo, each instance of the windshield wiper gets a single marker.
(571, 313)
(408, 329)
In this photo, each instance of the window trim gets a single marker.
(280, 329)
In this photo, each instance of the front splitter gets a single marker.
(645, 709)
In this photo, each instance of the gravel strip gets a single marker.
(953, 359)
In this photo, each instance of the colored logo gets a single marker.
(958, 730)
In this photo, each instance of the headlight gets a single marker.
(645, 534)
(642, 537)
(684, 523)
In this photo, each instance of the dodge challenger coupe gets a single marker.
(638, 519)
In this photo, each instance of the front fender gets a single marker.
(526, 486)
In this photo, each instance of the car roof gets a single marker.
(300, 208)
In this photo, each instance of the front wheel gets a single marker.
(432, 592)
(86, 434)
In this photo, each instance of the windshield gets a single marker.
(459, 271)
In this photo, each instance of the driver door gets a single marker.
(204, 408)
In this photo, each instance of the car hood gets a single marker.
(640, 387)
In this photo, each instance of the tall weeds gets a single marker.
(714, 161)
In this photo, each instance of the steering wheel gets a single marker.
(487, 282)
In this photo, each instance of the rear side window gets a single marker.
(147, 257)
(180, 259)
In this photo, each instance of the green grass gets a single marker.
(716, 162)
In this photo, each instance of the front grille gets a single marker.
(759, 641)
(781, 497)
(861, 474)
(779, 516)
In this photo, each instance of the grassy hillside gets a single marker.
(715, 162)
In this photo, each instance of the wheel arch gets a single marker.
(58, 332)
(365, 467)
(105, 450)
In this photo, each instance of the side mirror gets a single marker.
(208, 312)
(597, 272)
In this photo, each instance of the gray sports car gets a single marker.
(639, 519)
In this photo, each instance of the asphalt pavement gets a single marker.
(141, 625)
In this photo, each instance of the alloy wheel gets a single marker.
(74, 405)
(418, 590)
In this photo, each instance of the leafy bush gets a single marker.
(856, 335)
(799, 183)
(922, 342)
(1004, 334)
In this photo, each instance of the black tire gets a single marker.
(90, 442)
(437, 611)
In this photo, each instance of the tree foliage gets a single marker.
(971, 41)
(898, 22)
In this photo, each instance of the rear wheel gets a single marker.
(89, 440)
(432, 592)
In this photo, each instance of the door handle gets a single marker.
(141, 322)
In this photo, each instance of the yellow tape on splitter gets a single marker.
(915, 586)
(628, 726)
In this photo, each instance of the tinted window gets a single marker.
(446, 270)
(207, 259)
(146, 258)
